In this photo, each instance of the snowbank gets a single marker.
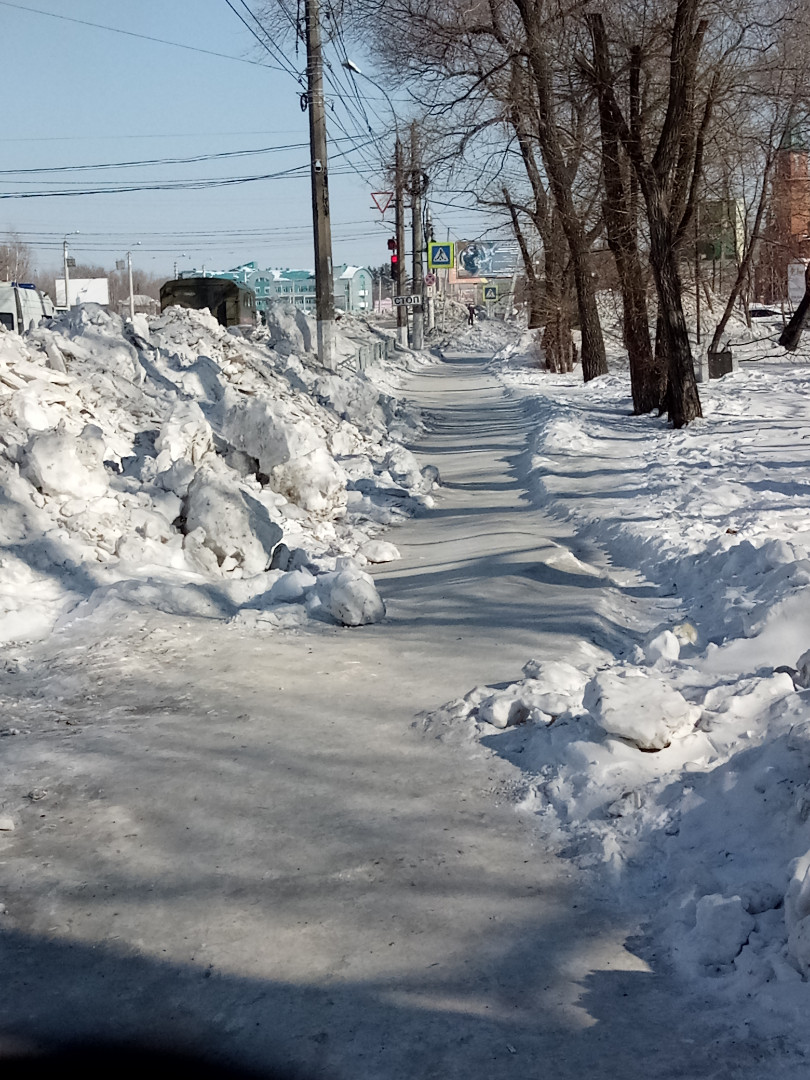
(150, 461)
(680, 770)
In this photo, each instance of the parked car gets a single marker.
(22, 306)
(231, 303)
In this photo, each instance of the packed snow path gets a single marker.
(239, 843)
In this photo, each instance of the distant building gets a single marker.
(144, 305)
(787, 235)
(353, 288)
(296, 288)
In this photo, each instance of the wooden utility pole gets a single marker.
(430, 313)
(417, 288)
(322, 228)
(399, 208)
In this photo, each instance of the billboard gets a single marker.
(83, 291)
(487, 258)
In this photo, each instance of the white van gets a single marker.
(22, 306)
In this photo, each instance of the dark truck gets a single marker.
(229, 302)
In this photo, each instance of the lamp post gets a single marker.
(65, 263)
(398, 282)
(183, 256)
(131, 289)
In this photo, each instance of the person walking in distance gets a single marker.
(471, 314)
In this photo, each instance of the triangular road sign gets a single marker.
(382, 199)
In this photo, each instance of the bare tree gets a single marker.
(16, 259)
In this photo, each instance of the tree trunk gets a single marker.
(682, 401)
(621, 234)
(594, 360)
(557, 343)
(656, 180)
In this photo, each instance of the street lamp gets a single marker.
(183, 256)
(355, 70)
(66, 263)
(131, 289)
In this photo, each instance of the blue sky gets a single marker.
(87, 96)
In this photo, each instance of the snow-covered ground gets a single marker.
(178, 465)
(679, 771)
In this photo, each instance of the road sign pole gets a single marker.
(418, 240)
(399, 209)
(431, 321)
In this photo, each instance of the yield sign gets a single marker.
(382, 199)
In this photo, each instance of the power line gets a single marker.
(269, 46)
(181, 185)
(219, 156)
(142, 37)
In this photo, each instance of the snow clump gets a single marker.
(141, 459)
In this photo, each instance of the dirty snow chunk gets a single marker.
(722, 927)
(290, 587)
(506, 708)
(269, 431)
(6, 824)
(59, 463)
(556, 675)
(235, 524)
(353, 398)
(798, 740)
(557, 690)
(803, 670)
(430, 477)
(314, 482)
(664, 646)
(639, 707)
(350, 597)
(184, 436)
(380, 551)
(403, 467)
(797, 913)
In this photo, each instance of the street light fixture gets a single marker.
(131, 289)
(66, 263)
(182, 256)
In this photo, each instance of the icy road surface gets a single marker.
(240, 843)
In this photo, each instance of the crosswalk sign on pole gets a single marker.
(441, 256)
(490, 292)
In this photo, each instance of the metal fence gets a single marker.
(374, 353)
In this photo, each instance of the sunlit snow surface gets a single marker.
(681, 772)
(166, 463)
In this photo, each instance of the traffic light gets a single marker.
(392, 247)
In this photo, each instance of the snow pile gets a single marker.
(175, 463)
(680, 768)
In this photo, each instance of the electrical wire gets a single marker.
(219, 156)
(268, 45)
(142, 37)
(296, 171)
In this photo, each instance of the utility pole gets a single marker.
(67, 279)
(431, 303)
(322, 228)
(131, 290)
(399, 210)
(66, 266)
(418, 240)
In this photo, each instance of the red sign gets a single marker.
(382, 199)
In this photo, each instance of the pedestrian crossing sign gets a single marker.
(441, 256)
(490, 292)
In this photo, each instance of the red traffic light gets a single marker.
(394, 259)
